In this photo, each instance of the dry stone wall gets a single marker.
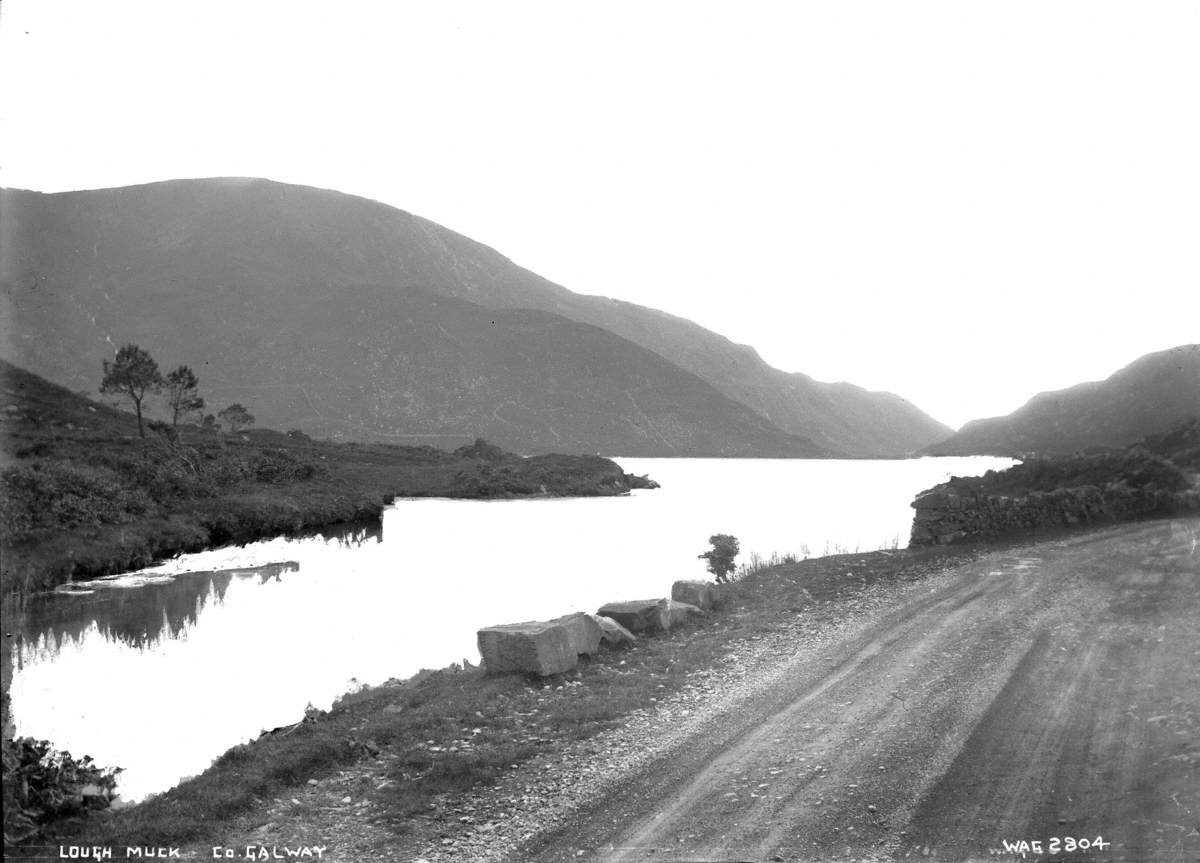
(945, 515)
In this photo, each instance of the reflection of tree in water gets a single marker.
(137, 616)
(349, 535)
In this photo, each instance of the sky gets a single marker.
(965, 203)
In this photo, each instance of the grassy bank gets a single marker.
(448, 731)
(82, 495)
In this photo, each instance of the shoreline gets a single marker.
(410, 749)
(393, 723)
(85, 495)
(353, 493)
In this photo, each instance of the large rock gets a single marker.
(679, 613)
(702, 594)
(612, 632)
(541, 647)
(639, 615)
(584, 631)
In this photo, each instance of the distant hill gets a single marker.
(242, 278)
(1150, 396)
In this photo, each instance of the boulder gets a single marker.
(639, 615)
(540, 647)
(702, 594)
(612, 632)
(679, 613)
(584, 631)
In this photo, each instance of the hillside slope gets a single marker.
(375, 363)
(84, 268)
(1151, 395)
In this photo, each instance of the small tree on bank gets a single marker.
(181, 392)
(133, 374)
(720, 557)
(236, 417)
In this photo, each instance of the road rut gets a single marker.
(1048, 691)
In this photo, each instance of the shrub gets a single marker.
(42, 784)
(720, 557)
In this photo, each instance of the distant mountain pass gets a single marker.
(1149, 396)
(212, 272)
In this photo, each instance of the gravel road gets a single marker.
(1051, 691)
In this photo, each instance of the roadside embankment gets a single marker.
(400, 755)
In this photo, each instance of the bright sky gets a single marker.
(962, 202)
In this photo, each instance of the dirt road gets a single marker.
(1048, 692)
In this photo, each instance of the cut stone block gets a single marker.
(541, 647)
(613, 632)
(584, 631)
(679, 613)
(702, 594)
(639, 615)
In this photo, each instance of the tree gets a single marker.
(182, 398)
(720, 557)
(236, 417)
(133, 374)
(209, 424)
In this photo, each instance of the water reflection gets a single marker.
(135, 611)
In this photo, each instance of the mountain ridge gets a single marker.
(185, 243)
(1151, 395)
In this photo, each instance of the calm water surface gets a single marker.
(162, 670)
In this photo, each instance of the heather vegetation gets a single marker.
(1159, 462)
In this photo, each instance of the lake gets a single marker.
(161, 670)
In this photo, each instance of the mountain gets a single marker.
(1150, 396)
(220, 274)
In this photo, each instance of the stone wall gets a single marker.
(947, 515)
